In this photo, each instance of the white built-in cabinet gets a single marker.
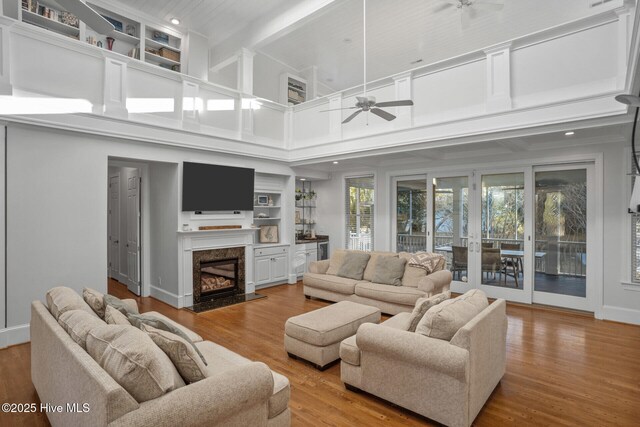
(270, 265)
(153, 44)
(293, 89)
(306, 253)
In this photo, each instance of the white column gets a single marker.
(190, 106)
(499, 78)
(312, 83)
(335, 117)
(5, 51)
(288, 129)
(623, 44)
(115, 88)
(403, 87)
(245, 71)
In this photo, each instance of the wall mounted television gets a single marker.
(216, 188)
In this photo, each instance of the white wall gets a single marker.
(197, 56)
(619, 302)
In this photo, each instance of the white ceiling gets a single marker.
(398, 31)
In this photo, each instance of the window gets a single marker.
(359, 207)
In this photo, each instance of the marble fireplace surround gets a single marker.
(221, 254)
(191, 242)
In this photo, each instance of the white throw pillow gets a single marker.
(443, 320)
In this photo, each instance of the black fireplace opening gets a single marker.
(218, 278)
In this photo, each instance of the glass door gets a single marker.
(410, 228)
(562, 218)
(503, 240)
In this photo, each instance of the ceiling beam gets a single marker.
(271, 27)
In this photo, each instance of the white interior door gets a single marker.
(133, 231)
(114, 226)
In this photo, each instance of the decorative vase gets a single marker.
(110, 41)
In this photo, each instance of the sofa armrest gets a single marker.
(319, 267)
(132, 304)
(415, 349)
(211, 401)
(435, 283)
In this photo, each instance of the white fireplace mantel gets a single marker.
(200, 240)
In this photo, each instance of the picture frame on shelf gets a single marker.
(263, 200)
(269, 234)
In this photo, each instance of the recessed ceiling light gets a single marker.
(303, 179)
(335, 163)
(569, 133)
(175, 21)
(329, 79)
(347, 40)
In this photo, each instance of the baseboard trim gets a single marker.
(619, 314)
(293, 279)
(165, 296)
(14, 335)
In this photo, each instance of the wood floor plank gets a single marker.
(563, 368)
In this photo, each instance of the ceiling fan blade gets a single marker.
(87, 15)
(348, 119)
(489, 6)
(381, 113)
(401, 103)
(338, 109)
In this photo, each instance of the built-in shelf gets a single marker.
(156, 44)
(265, 219)
(119, 35)
(159, 59)
(50, 24)
(293, 89)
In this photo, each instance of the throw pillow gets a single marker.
(119, 305)
(336, 261)
(429, 261)
(181, 353)
(78, 323)
(422, 306)
(133, 360)
(443, 320)
(354, 265)
(113, 317)
(95, 300)
(138, 320)
(61, 299)
(389, 270)
(373, 261)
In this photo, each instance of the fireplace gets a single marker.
(218, 273)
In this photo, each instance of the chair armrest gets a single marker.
(210, 401)
(415, 349)
(435, 283)
(319, 267)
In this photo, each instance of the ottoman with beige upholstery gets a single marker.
(316, 336)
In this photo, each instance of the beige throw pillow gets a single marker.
(443, 320)
(389, 270)
(95, 300)
(133, 360)
(373, 261)
(336, 261)
(78, 323)
(353, 265)
(61, 299)
(181, 353)
(113, 317)
(421, 307)
(119, 305)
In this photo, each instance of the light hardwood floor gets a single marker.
(562, 368)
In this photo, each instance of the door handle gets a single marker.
(116, 241)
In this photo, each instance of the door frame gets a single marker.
(394, 206)
(568, 301)
(114, 210)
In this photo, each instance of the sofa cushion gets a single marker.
(389, 270)
(336, 260)
(119, 304)
(327, 282)
(443, 320)
(422, 306)
(349, 351)
(131, 358)
(222, 359)
(95, 300)
(373, 262)
(78, 323)
(188, 332)
(354, 265)
(138, 320)
(182, 353)
(395, 294)
(113, 316)
(62, 298)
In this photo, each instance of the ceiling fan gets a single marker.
(469, 8)
(87, 15)
(369, 103)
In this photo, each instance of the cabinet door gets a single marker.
(262, 270)
(279, 267)
(311, 256)
(301, 262)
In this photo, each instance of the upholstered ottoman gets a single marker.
(316, 336)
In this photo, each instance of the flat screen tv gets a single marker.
(216, 188)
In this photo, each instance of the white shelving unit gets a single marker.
(271, 260)
(47, 15)
(293, 89)
(162, 48)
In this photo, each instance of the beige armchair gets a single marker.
(446, 381)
